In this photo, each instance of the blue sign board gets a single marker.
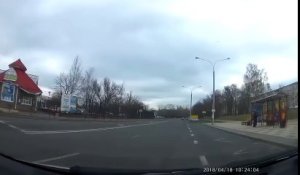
(8, 92)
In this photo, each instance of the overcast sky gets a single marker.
(150, 45)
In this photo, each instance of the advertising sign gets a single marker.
(10, 75)
(8, 92)
(80, 101)
(65, 103)
(73, 103)
(69, 103)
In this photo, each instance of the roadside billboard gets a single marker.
(73, 103)
(8, 92)
(70, 103)
(10, 75)
(65, 103)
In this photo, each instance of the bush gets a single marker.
(241, 117)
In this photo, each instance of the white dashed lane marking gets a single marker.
(195, 142)
(191, 132)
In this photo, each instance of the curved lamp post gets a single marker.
(213, 110)
(191, 100)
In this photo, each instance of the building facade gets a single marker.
(292, 94)
(19, 90)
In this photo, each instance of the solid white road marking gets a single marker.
(56, 158)
(12, 126)
(192, 135)
(88, 130)
(195, 142)
(203, 160)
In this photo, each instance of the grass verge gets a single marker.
(292, 113)
(242, 117)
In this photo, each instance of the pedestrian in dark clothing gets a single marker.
(254, 118)
(276, 118)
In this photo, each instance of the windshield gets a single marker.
(148, 84)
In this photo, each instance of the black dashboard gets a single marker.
(9, 166)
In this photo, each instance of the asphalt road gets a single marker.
(134, 144)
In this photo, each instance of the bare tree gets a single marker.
(131, 105)
(235, 94)
(255, 80)
(97, 89)
(107, 96)
(70, 83)
(112, 96)
(100, 97)
(87, 90)
(230, 95)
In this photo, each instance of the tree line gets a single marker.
(232, 100)
(172, 111)
(101, 98)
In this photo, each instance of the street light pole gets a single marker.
(191, 99)
(213, 110)
(214, 98)
(191, 102)
(49, 103)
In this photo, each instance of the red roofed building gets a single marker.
(19, 90)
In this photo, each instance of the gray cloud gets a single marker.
(148, 49)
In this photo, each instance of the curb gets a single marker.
(246, 134)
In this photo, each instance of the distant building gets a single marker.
(292, 94)
(19, 90)
(43, 102)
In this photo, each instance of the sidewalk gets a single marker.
(284, 136)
